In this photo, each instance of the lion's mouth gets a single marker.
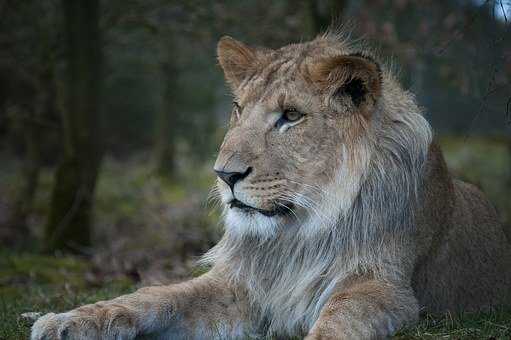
(279, 210)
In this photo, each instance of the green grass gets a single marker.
(47, 299)
(37, 283)
(495, 325)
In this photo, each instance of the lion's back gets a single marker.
(471, 267)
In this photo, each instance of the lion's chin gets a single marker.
(250, 222)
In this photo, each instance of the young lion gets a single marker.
(342, 221)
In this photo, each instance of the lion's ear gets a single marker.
(236, 59)
(354, 76)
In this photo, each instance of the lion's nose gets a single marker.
(232, 177)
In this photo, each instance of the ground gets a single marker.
(136, 247)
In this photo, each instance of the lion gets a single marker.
(341, 218)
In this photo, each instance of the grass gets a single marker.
(496, 325)
(37, 283)
(47, 299)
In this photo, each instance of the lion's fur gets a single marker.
(378, 229)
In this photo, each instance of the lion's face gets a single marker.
(297, 114)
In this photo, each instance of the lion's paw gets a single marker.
(88, 322)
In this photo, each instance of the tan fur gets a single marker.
(359, 224)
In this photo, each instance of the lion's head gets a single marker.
(306, 121)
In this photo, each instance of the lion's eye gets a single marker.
(237, 109)
(290, 117)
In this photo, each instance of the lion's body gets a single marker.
(341, 223)
(464, 254)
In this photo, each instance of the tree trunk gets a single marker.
(69, 222)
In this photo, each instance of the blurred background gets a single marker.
(111, 113)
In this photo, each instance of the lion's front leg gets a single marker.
(198, 309)
(369, 309)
